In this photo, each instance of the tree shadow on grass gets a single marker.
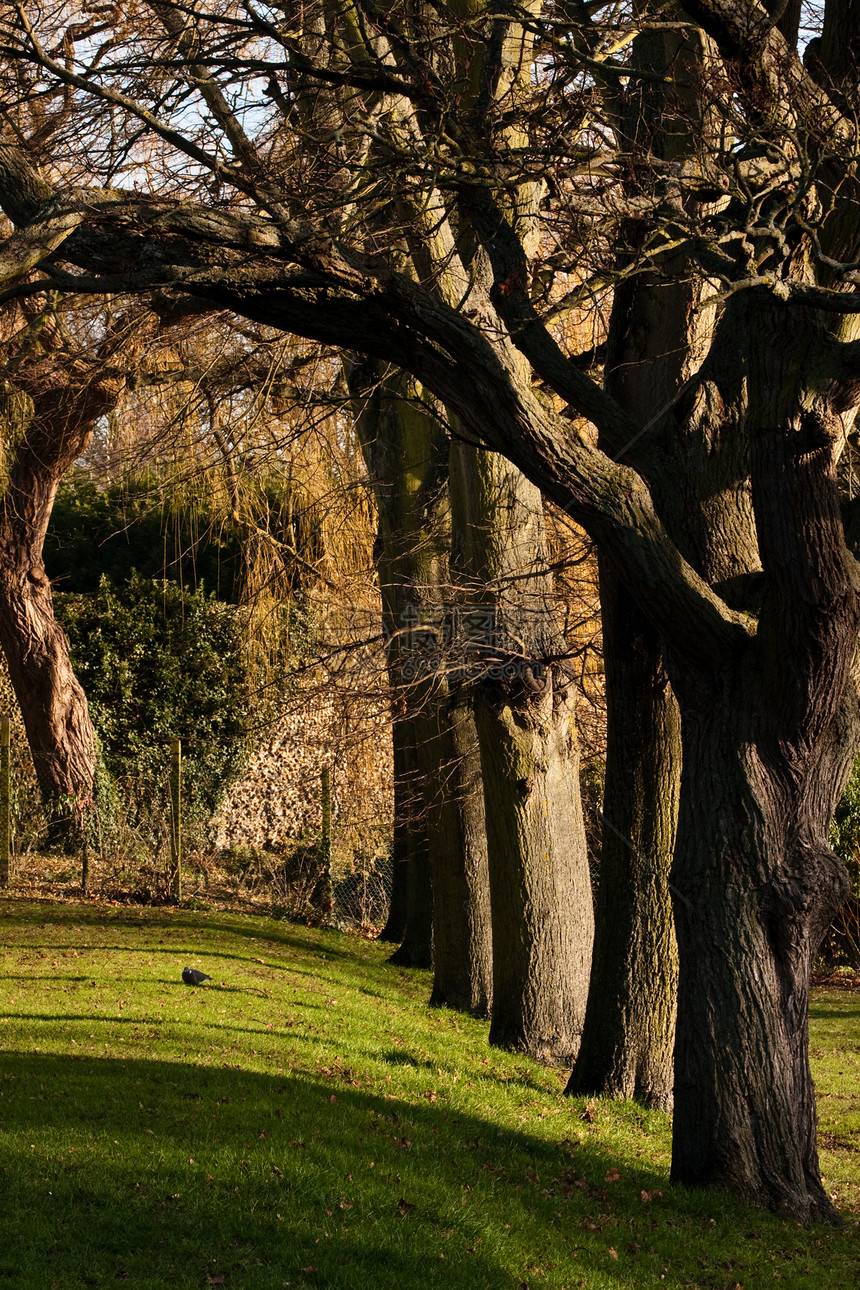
(163, 1174)
(171, 1175)
(828, 1014)
(168, 919)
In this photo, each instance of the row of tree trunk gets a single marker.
(492, 884)
(495, 891)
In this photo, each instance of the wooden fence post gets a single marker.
(85, 848)
(176, 819)
(5, 803)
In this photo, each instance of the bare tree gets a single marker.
(57, 386)
(733, 546)
(501, 793)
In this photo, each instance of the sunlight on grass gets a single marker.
(307, 1120)
(835, 1053)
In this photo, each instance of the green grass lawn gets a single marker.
(307, 1120)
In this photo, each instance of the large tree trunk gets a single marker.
(769, 739)
(629, 1032)
(757, 887)
(656, 337)
(405, 446)
(463, 975)
(53, 705)
(540, 887)
(416, 948)
(49, 415)
(540, 890)
(395, 925)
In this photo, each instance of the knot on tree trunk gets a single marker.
(516, 681)
(801, 901)
(813, 431)
(37, 576)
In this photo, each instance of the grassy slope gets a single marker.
(308, 1121)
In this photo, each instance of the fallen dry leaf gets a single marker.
(404, 1206)
(612, 1252)
(648, 1196)
(612, 1175)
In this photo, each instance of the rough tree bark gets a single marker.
(540, 888)
(50, 407)
(628, 1040)
(463, 967)
(408, 847)
(408, 483)
(394, 930)
(769, 737)
(52, 702)
(443, 832)
(629, 1031)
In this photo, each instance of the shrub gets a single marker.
(123, 528)
(845, 828)
(156, 663)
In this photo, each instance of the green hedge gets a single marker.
(115, 530)
(157, 662)
(125, 528)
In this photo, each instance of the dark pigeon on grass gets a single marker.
(192, 977)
